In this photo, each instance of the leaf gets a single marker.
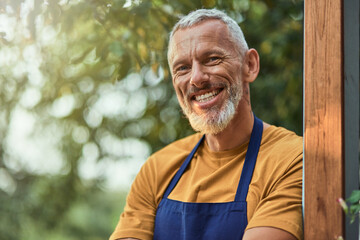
(116, 48)
(208, 3)
(123, 68)
(143, 52)
(81, 57)
(354, 209)
(354, 197)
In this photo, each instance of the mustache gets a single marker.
(206, 86)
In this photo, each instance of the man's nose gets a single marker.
(198, 75)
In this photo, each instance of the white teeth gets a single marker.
(207, 96)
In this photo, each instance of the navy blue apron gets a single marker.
(186, 220)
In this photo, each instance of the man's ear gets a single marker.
(251, 65)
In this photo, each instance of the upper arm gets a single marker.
(138, 217)
(281, 208)
(267, 233)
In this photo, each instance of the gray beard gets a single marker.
(215, 120)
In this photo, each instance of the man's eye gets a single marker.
(213, 59)
(182, 68)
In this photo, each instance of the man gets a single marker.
(238, 178)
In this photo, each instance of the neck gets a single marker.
(236, 133)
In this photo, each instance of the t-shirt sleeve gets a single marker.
(282, 207)
(137, 219)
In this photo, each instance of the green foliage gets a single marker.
(93, 76)
(354, 201)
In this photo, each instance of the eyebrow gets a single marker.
(212, 52)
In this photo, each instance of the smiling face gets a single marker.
(206, 70)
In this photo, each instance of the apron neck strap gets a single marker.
(250, 160)
(182, 169)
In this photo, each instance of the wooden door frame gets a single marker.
(331, 115)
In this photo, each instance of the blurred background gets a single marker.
(86, 97)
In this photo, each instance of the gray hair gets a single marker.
(203, 14)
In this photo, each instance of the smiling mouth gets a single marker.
(207, 96)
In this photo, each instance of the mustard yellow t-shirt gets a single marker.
(275, 192)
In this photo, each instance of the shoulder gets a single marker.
(170, 157)
(280, 154)
(180, 147)
(278, 135)
(162, 165)
(280, 143)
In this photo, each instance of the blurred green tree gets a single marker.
(91, 78)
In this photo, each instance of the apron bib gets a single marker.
(178, 220)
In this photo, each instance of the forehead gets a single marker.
(213, 33)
